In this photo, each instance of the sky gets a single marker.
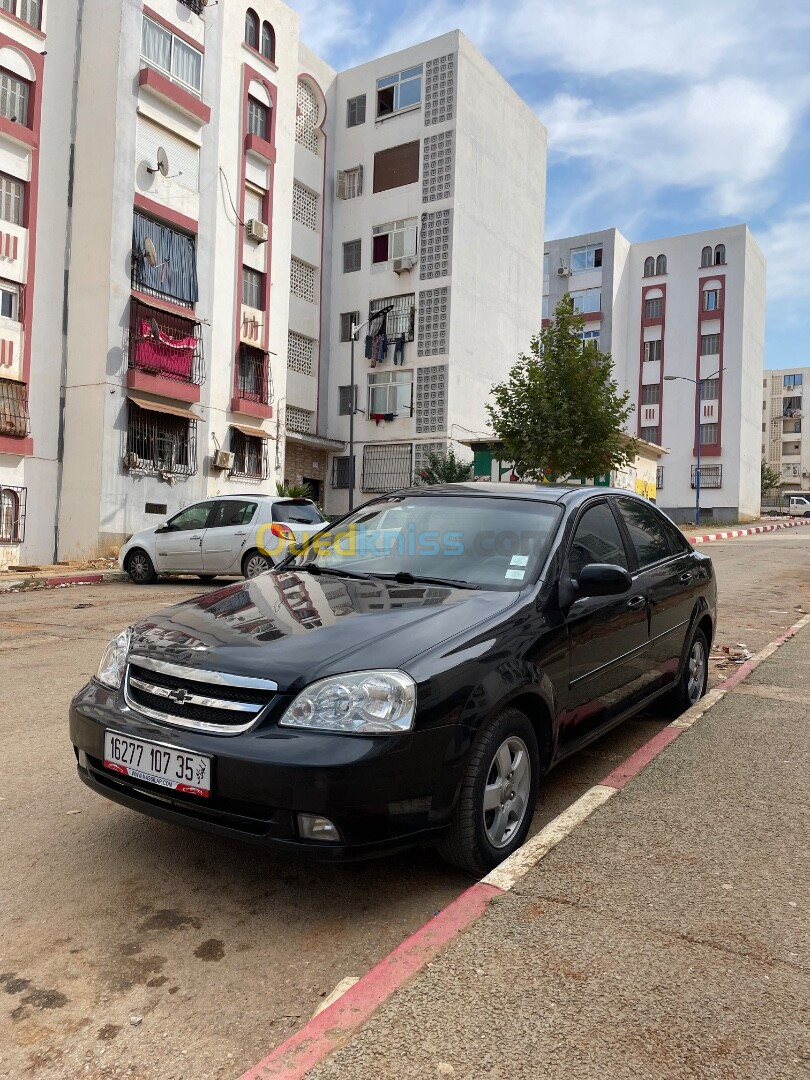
(664, 116)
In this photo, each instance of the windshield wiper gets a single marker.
(404, 577)
(316, 568)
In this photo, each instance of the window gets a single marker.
(12, 514)
(719, 254)
(352, 256)
(545, 264)
(168, 53)
(252, 290)
(253, 375)
(396, 167)
(184, 156)
(792, 380)
(711, 299)
(586, 258)
(710, 390)
(545, 307)
(650, 434)
(232, 512)
(651, 394)
(175, 273)
(659, 477)
(652, 349)
(356, 111)
(12, 200)
(590, 337)
(14, 418)
(706, 257)
(163, 343)
(401, 318)
(345, 400)
(250, 456)
(28, 11)
(193, 517)
(709, 344)
(587, 300)
(654, 309)
(342, 472)
(10, 300)
(14, 94)
(350, 183)
(597, 540)
(257, 118)
(649, 266)
(252, 29)
(400, 91)
(661, 264)
(646, 532)
(711, 476)
(394, 240)
(387, 466)
(390, 395)
(708, 434)
(347, 320)
(254, 204)
(791, 406)
(268, 42)
(162, 441)
(764, 426)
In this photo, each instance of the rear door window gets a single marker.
(232, 512)
(646, 532)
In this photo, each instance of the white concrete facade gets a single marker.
(783, 444)
(670, 311)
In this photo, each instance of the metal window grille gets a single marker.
(341, 472)
(251, 457)
(302, 280)
(257, 118)
(305, 206)
(347, 320)
(300, 353)
(402, 319)
(650, 434)
(175, 275)
(345, 400)
(14, 418)
(710, 390)
(307, 116)
(352, 256)
(12, 514)
(709, 344)
(195, 5)
(711, 476)
(356, 111)
(299, 421)
(387, 466)
(651, 394)
(174, 352)
(162, 443)
(251, 288)
(659, 477)
(708, 434)
(253, 375)
(653, 309)
(12, 199)
(13, 98)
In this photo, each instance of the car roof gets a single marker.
(547, 493)
(257, 495)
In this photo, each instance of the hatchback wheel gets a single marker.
(140, 568)
(498, 793)
(254, 563)
(695, 676)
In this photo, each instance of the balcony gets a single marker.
(193, 5)
(166, 268)
(15, 423)
(254, 383)
(164, 353)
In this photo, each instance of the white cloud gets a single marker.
(328, 29)
(785, 244)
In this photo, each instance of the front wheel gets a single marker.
(140, 568)
(254, 563)
(496, 804)
(694, 678)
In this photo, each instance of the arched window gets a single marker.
(268, 42)
(649, 266)
(706, 257)
(719, 254)
(252, 29)
(9, 516)
(661, 264)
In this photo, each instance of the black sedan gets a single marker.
(407, 676)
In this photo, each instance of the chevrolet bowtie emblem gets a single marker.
(179, 696)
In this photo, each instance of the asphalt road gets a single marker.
(130, 948)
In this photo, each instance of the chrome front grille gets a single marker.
(211, 701)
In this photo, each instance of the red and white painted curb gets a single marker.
(335, 1026)
(755, 530)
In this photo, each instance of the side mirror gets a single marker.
(603, 579)
(161, 529)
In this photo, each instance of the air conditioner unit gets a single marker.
(131, 460)
(402, 266)
(562, 271)
(256, 230)
(223, 460)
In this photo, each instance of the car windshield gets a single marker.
(297, 512)
(491, 543)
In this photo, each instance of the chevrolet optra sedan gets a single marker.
(409, 676)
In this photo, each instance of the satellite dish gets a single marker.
(162, 161)
(150, 251)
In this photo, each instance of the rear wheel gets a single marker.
(694, 678)
(254, 563)
(498, 793)
(140, 567)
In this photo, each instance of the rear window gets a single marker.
(297, 512)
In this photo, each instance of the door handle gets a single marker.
(240, 534)
(636, 602)
(195, 538)
(685, 579)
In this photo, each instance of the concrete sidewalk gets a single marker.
(668, 937)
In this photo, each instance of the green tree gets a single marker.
(444, 469)
(560, 412)
(769, 478)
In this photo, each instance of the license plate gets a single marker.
(165, 766)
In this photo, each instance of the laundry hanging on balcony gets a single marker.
(164, 355)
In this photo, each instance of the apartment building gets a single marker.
(782, 413)
(684, 319)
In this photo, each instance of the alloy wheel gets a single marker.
(255, 565)
(696, 672)
(506, 794)
(140, 568)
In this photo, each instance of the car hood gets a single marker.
(296, 628)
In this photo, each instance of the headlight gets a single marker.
(114, 661)
(363, 703)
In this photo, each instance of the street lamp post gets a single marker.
(698, 384)
(353, 398)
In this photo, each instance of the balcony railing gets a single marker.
(251, 456)
(166, 267)
(14, 418)
(195, 5)
(164, 344)
(253, 378)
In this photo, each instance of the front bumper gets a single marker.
(381, 792)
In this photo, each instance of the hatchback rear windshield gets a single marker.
(488, 542)
(297, 512)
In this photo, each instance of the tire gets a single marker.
(254, 563)
(206, 577)
(694, 677)
(480, 838)
(140, 568)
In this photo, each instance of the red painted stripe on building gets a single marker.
(641, 759)
(335, 1025)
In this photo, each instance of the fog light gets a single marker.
(314, 827)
